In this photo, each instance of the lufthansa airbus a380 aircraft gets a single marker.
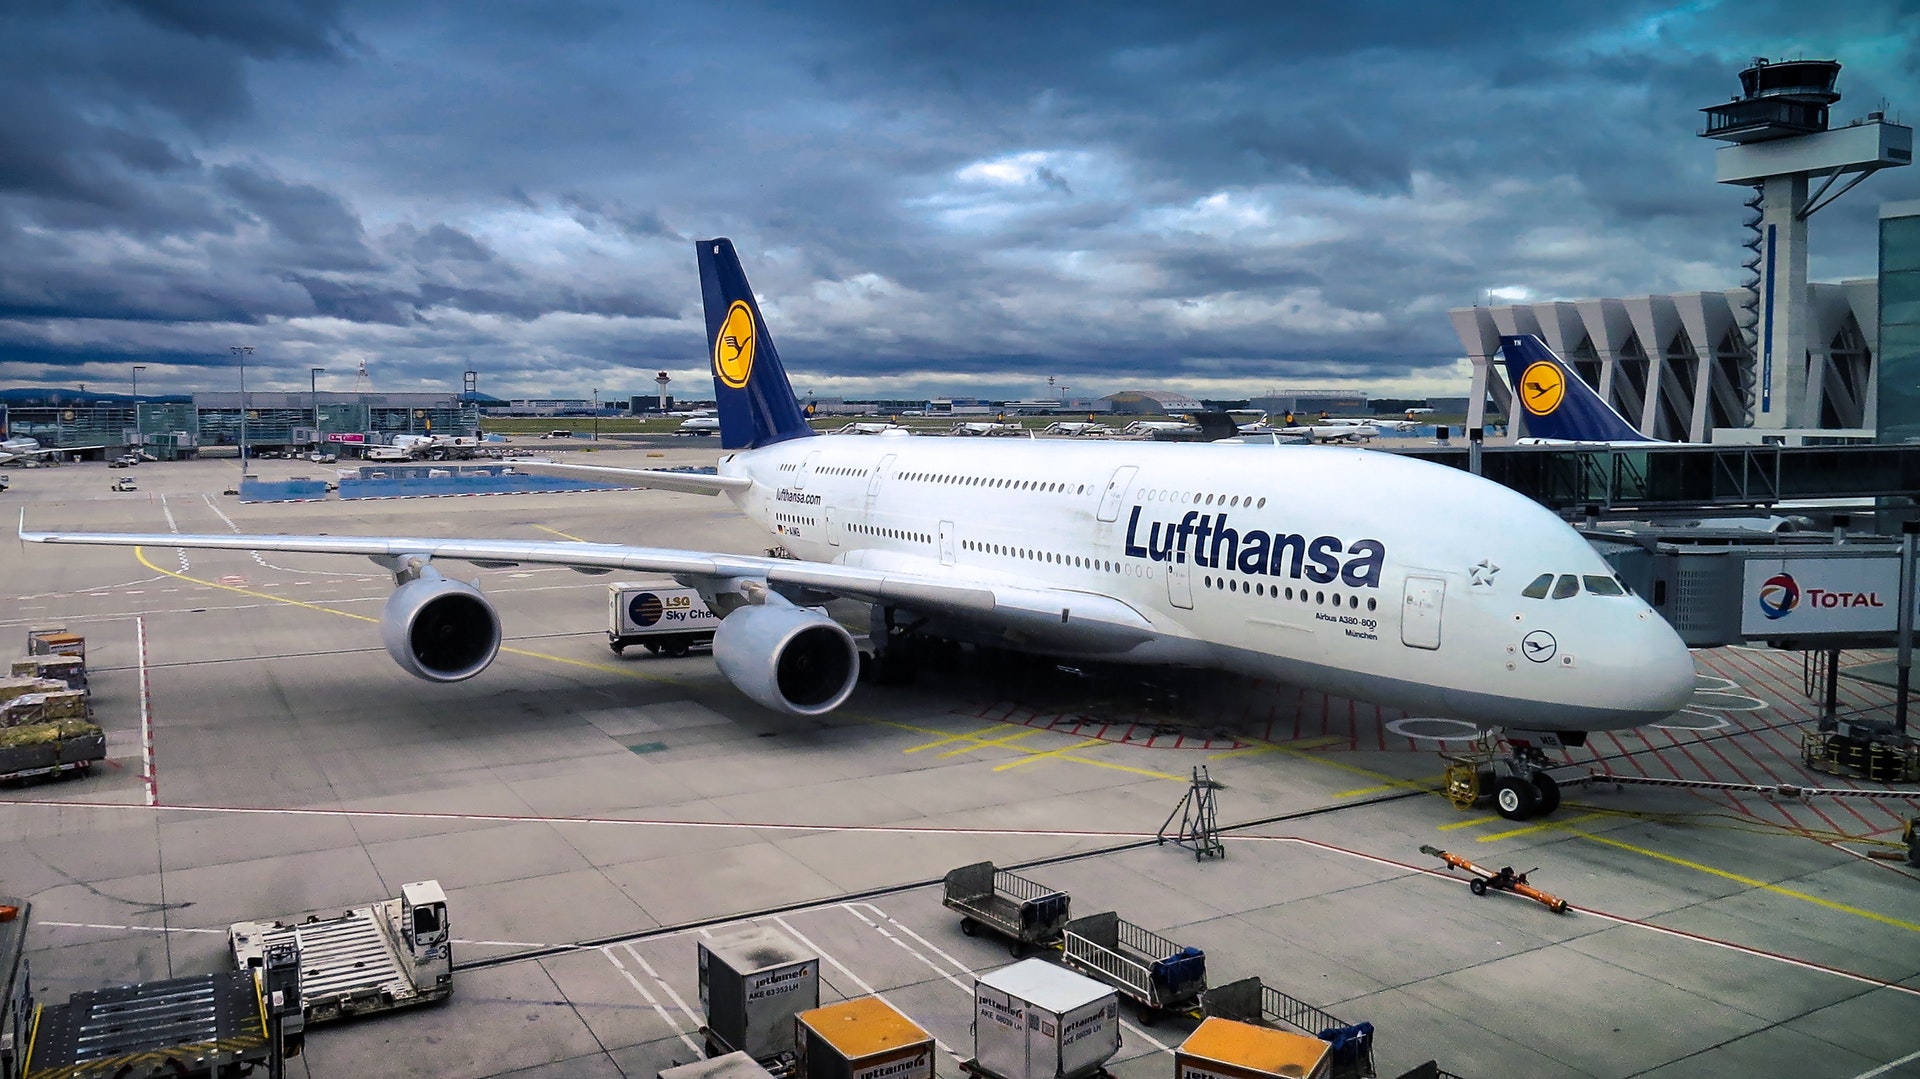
(1363, 574)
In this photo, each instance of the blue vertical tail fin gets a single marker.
(1552, 400)
(750, 387)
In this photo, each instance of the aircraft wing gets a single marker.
(1083, 618)
(692, 483)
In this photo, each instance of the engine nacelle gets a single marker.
(440, 630)
(788, 658)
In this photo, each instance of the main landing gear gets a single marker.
(1516, 781)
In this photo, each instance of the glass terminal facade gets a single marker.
(1900, 322)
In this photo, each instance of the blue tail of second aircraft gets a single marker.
(750, 387)
(1554, 402)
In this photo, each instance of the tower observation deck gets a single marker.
(1779, 141)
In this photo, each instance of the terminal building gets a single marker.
(275, 422)
(1777, 359)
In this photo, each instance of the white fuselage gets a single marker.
(1365, 574)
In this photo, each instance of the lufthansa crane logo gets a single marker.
(1542, 387)
(733, 347)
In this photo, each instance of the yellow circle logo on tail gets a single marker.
(733, 346)
(1541, 388)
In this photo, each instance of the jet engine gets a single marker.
(440, 630)
(788, 658)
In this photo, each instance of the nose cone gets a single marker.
(1662, 679)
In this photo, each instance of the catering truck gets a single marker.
(664, 617)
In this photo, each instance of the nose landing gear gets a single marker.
(1517, 782)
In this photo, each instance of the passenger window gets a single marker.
(1538, 589)
(1603, 586)
(1567, 587)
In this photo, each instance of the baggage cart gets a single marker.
(725, 1066)
(1224, 1049)
(752, 984)
(1350, 1055)
(1025, 912)
(55, 641)
(1150, 970)
(861, 1039)
(395, 953)
(50, 749)
(666, 618)
(1035, 1020)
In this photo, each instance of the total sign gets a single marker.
(1792, 596)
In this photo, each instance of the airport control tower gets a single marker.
(1780, 145)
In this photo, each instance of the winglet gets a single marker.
(1552, 400)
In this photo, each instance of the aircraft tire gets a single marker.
(1515, 798)
(1549, 792)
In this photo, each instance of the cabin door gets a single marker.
(1116, 492)
(1179, 584)
(1420, 612)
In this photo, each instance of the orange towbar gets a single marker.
(1505, 880)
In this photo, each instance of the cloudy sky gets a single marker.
(958, 198)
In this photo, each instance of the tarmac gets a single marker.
(590, 815)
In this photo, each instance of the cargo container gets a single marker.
(1224, 1049)
(752, 983)
(725, 1066)
(70, 671)
(1034, 1020)
(861, 1039)
(49, 706)
(664, 617)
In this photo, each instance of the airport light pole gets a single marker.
(313, 394)
(242, 351)
(596, 413)
(137, 368)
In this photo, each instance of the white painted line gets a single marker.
(857, 980)
(649, 998)
(678, 1001)
(148, 774)
(929, 945)
(127, 928)
(1885, 1068)
(908, 948)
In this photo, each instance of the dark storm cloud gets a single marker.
(984, 193)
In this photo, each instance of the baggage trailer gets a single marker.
(1350, 1054)
(1150, 970)
(392, 954)
(665, 617)
(1025, 912)
(50, 749)
(861, 1039)
(1035, 1020)
(752, 984)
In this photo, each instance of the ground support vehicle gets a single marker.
(1027, 913)
(392, 954)
(201, 1027)
(50, 749)
(752, 983)
(1225, 1049)
(1150, 970)
(16, 991)
(666, 618)
(1350, 1054)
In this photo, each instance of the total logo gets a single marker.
(1781, 594)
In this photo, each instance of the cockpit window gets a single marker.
(1538, 589)
(1603, 586)
(1567, 587)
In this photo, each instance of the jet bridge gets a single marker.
(1669, 478)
